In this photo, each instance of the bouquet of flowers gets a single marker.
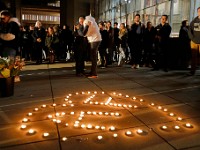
(10, 66)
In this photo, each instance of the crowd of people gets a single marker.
(137, 45)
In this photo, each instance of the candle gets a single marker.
(112, 128)
(45, 134)
(54, 105)
(179, 119)
(88, 92)
(83, 126)
(102, 92)
(139, 131)
(135, 106)
(99, 137)
(159, 107)
(115, 135)
(77, 122)
(64, 105)
(141, 100)
(70, 102)
(165, 109)
(70, 94)
(30, 114)
(58, 121)
(72, 113)
(91, 103)
(177, 127)
(134, 98)
(63, 113)
(76, 93)
(95, 92)
(25, 120)
(76, 125)
(164, 127)
(31, 131)
(89, 126)
(125, 106)
(114, 93)
(117, 114)
(67, 96)
(127, 95)
(23, 126)
(130, 106)
(83, 92)
(112, 113)
(89, 113)
(188, 125)
(96, 103)
(66, 124)
(44, 106)
(111, 104)
(72, 105)
(54, 120)
(100, 113)
(120, 94)
(115, 105)
(102, 103)
(50, 116)
(57, 114)
(97, 127)
(103, 128)
(36, 109)
(171, 114)
(152, 104)
(80, 118)
(94, 113)
(106, 113)
(64, 139)
(119, 105)
(128, 132)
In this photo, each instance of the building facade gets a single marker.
(149, 10)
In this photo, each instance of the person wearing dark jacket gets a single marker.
(163, 31)
(80, 48)
(194, 34)
(185, 51)
(103, 45)
(135, 41)
(9, 34)
(38, 35)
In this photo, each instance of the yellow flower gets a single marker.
(6, 73)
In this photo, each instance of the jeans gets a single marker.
(93, 56)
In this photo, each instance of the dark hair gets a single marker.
(116, 23)
(165, 16)
(198, 8)
(148, 23)
(5, 13)
(101, 23)
(109, 22)
(123, 25)
(184, 23)
(137, 15)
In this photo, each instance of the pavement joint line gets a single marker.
(4, 116)
(187, 148)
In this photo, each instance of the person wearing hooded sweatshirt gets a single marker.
(93, 35)
(194, 34)
(9, 34)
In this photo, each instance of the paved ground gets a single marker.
(103, 107)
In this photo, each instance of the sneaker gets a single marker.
(92, 77)
(137, 66)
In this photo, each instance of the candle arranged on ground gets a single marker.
(31, 131)
(45, 134)
(23, 126)
(100, 137)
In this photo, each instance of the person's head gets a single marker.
(115, 25)
(38, 24)
(50, 30)
(64, 27)
(81, 20)
(5, 16)
(164, 19)
(149, 24)
(137, 18)
(198, 11)
(185, 23)
(122, 26)
(108, 24)
(101, 25)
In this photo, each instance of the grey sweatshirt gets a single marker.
(194, 30)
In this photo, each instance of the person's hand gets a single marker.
(39, 40)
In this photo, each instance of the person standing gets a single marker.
(93, 35)
(194, 34)
(163, 31)
(110, 45)
(80, 48)
(135, 41)
(38, 35)
(9, 34)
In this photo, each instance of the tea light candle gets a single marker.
(30, 114)
(70, 102)
(164, 127)
(141, 100)
(159, 107)
(130, 106)
(128, 132)
(83, 92)
(25, 120)
(102, 92)
(64, 105)
(80, 118)
(23, 126)
(58, 121)
(99, 137)
(66, 99)
(135, 106)
(64, 139)
(72, 113)
(96, 103)
(115, 105)
(70, 94)
(111, 104)
(117, 114)
(188, 125)
(119, 105)
(72, 105)
(83, 126)
(102, 103)
(106, 113)
(134, 98)
(94, 113)
(171, 114)
(100, 113)
(44, 106)
(124, 106)
(115, 135)
(139, 131)
(76, 93)
(95, 92)
(89, 126)
(45, 134)
(114, 93)
(177, 127)
(36, 109)
(67, 96)
(112, 114)
(66, 124)
(88, 92)
(54, 105)
(76, 125)
(77, 122)
(89, 113)
(120, 94)
(165, 109)
(57, 114)
(127, 95)
(50, 116)
(31, 131)
(179, 119)
(152, 104)
(103, 128)
(63, 113)
(54, 120)
(112, 128)
(97, 127)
